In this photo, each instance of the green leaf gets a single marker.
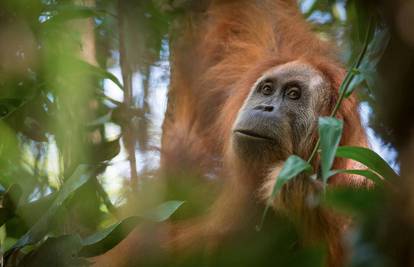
(367, 71)
(101, 73)
(81, 175)
(31, 212)
(163, 211)
(330, 132)
(104, 151)
(366, 173)
(106, 239)
(368, 158)
(358, 21)
(9, 105)
(56, 251)
(293, 166)
(9, 203)
(361, 201)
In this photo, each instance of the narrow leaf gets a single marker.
(330, 132)
(368, 158)
(9, 203)
(81, 175)
(293, 166)
(357, 202)
(9, 105)
(367, 69)
(106, 239)
(101, 73)
(163, 211)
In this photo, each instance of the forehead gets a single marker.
(296, 70)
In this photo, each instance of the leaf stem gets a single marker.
(350, 75)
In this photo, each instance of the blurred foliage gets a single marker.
(62, 127)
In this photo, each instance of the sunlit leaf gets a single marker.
(330, 132)
(368, 158)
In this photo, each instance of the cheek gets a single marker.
(304, 126)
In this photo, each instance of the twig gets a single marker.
(126, 70)
(350, 75)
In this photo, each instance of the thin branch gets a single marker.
(105, 198)
(350, 75)
(126, 70)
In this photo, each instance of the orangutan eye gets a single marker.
(293, 92)
(267, 89)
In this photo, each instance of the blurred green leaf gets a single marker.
(367, 71)
(106, 150)
(81, 175)
(361, 201)
(109, 237)
(358, 19)
(293, 166)
(59, 251)
(9, 105)
(163, 211)
(330, 133)
(101, 73)
(368, 158)
(31, 212)
(9, 203)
